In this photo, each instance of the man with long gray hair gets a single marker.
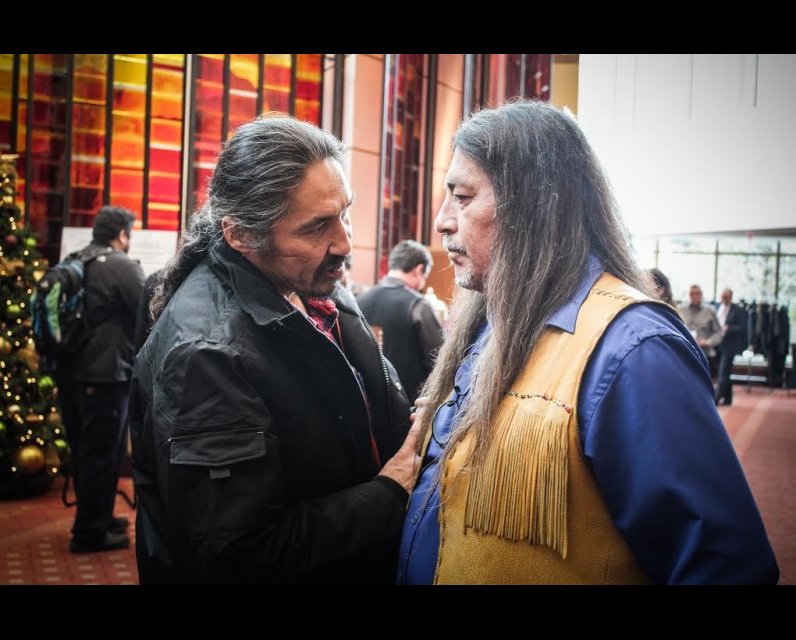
(267, 426)
(570, 430)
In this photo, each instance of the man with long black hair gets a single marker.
(570, 430)
(267, 427)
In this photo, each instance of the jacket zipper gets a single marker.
(383, 364)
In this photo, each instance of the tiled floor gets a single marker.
(34, 533)
(34, 544)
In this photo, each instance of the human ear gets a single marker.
(231, 236)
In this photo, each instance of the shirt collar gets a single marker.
(566, 315)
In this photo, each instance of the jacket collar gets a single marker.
(256, 294)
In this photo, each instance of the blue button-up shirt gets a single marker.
(658, 449)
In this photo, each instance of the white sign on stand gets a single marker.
(153, 249)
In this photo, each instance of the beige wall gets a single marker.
(362, 116)
(450, 78)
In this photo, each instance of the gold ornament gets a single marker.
(12, 266)
(34, 418)
(53, 419)
(29, 356)
(38, 274)
(14, 410)
(29, 459)
(5, 347)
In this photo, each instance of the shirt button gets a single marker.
(415, 518)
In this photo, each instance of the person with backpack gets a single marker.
(94, 380)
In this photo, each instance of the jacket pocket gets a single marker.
(217, 449)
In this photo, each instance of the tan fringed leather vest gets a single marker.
(532, 513)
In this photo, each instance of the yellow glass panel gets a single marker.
(171, 59)
(129, 69)
(245, 67)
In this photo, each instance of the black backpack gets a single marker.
(58, 306)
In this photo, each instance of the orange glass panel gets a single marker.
(127, 131)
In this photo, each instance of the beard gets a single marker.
(465, 278)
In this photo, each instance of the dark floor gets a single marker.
(34, 533)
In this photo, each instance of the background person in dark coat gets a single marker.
(94, 384)
(733, 322)
(267, 427)
(411, 332)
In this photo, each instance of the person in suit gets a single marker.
(412, 333)
(733, 323)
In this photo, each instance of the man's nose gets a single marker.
(445, 220)
(341, 244)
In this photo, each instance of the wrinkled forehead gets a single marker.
(464, 171)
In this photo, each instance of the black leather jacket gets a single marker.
(251, 443)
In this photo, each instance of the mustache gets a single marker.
(331, 262)
(451, 246)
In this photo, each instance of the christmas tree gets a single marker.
(32, 440)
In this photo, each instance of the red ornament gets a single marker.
(12, 240)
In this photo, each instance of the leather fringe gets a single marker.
(520, 492)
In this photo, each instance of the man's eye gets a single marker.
(460, 197)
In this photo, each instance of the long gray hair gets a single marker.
(258, 171)
(554, 207)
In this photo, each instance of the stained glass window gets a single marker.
(110, 128)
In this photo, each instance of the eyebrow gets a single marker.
(452, 184)
(315, 220)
